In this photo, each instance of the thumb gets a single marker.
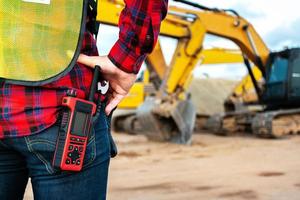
(103, 61)
(87, 60)
(112, 103)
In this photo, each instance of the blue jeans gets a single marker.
(31, 156)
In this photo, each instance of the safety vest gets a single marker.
(40, 40)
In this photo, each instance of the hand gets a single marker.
(120, 81)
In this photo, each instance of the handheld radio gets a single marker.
(75, 128)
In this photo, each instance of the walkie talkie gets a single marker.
(75, 128)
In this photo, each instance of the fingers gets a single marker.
(112, 103)
(103, 61)
(120, 82)
(87, 60)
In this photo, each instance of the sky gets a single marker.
(276, 21)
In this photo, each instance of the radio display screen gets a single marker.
(79, 124)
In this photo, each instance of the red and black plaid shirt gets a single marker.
(28, 110)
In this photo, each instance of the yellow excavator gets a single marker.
(170, 115)
(276, 81)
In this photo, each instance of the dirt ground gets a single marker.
(212, 168)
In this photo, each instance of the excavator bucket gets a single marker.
(171, 122)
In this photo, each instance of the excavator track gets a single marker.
(126, 121)
(201, 121)
(230, 123)
(277, 124)
(267, 124)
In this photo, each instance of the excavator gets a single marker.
(170, 115)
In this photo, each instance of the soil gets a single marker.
(212, 168)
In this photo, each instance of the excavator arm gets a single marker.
(221, 24)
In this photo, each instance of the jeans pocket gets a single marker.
(43, 146)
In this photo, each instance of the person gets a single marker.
(28, 115)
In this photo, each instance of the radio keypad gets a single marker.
(75, 151)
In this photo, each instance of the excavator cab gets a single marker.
(282, 86)
(281, 96)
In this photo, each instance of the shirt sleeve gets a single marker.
(139, 25)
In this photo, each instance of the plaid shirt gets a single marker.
(139, 28)
(27, 110)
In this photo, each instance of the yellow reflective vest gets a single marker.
(39, 39)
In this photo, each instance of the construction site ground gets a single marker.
(213, 167)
